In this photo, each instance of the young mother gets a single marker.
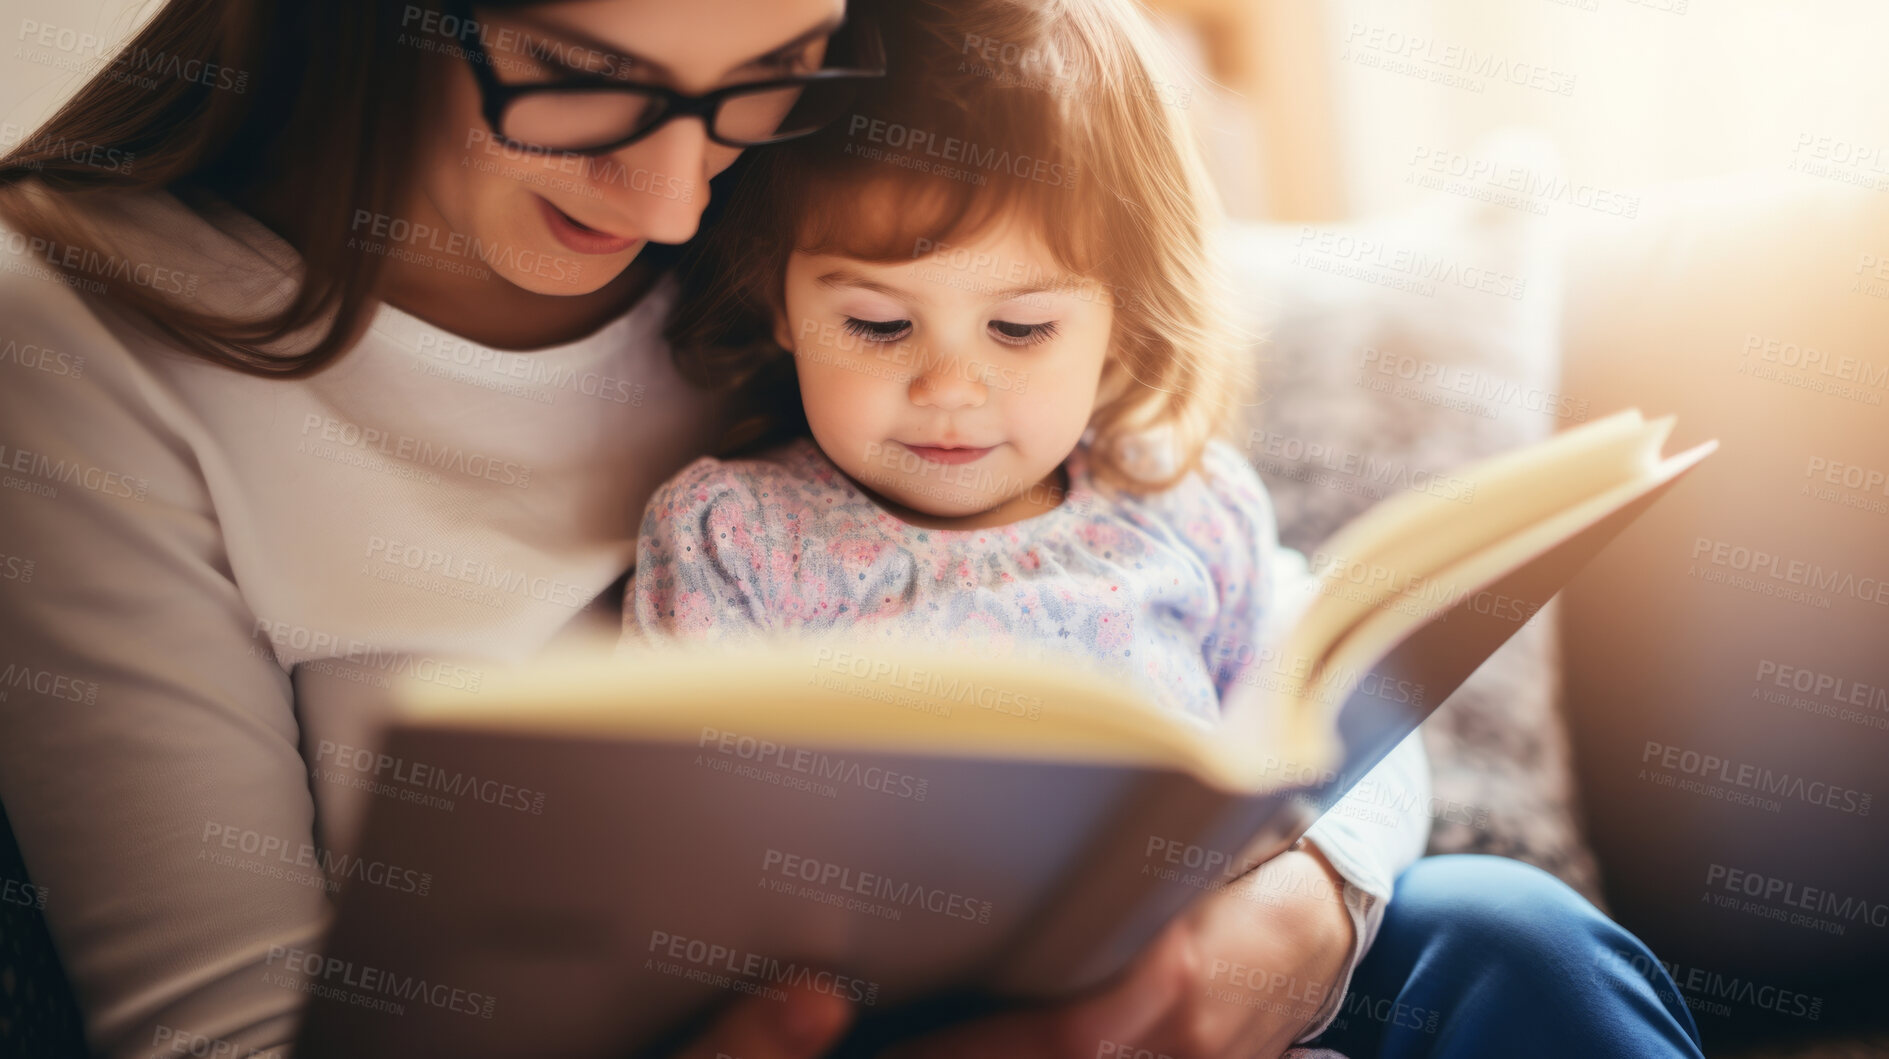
(332, 348)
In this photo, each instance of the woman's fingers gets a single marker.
(1077, 1029)
(803, 1026)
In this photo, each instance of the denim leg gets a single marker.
(1491, 958)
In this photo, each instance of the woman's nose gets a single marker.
(659, 185)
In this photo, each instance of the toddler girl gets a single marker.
(992, 289)
(975, 327)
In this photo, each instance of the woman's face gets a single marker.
(555, 222)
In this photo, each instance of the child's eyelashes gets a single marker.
(1005, 331)
(1022, 334)
(878, 330)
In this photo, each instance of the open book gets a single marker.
(913, 830)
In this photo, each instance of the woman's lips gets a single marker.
(576, 236)
(950, 455)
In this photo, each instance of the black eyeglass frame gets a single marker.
(496, 95)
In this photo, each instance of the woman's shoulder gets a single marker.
(57, 353)
(63, 326)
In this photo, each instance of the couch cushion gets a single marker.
(1391, 352)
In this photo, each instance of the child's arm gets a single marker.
(1380, 828)
(701, 560)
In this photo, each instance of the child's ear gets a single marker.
(783, 335)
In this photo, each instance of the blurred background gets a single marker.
(1462, 225)
(1686, 203)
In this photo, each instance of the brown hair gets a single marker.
(323, 91)
(316, 100)
(1051, 109)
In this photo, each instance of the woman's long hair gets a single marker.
(320, 101)
(206, 95)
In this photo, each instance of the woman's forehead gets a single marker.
(692, 46)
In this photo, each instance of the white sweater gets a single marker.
(207, 579)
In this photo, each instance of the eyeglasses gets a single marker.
(587, 114)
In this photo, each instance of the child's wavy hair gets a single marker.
(1061, 111)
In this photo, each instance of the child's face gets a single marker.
(953, 384)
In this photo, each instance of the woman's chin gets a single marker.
(561, 273)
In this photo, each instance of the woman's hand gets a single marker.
(1242, 974)
(803, 1026)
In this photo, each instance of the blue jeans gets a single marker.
(1492, 958)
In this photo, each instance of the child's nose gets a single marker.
(942, 385)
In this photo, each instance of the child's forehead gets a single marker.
(894, 223)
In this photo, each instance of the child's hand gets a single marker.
(1242, 975)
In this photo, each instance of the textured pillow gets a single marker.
(1391, 353)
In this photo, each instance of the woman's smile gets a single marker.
(579, 237)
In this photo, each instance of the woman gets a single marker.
(336, 351)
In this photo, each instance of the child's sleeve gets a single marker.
(702, 564)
